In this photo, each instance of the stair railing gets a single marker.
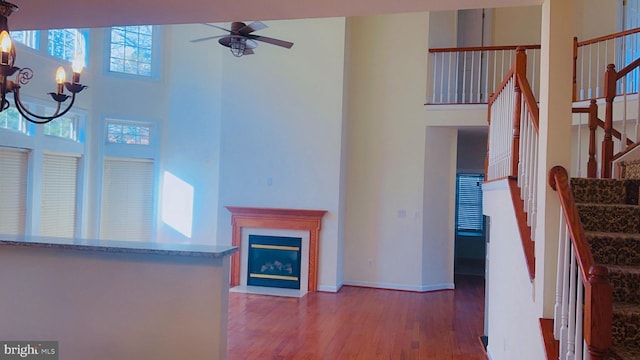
(594, 124)
(467, 75)
(591, 56)
(611, 80)
(583, 309)
(513, 141)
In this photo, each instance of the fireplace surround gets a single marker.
(277, 219)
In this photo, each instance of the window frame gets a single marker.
(156, 59)
(480, 230)
(131, 152)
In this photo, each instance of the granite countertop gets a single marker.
(114, 246)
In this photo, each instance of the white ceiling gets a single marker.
(49, 14)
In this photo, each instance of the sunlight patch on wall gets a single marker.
(177, 204)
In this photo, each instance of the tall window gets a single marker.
(66, 44)
(128, 133)
(30, 38)
(12, 120)
(128, 180)
(131, 50)
(63, 127)
(127, 199)
(13, 197)
(469, 220)
(59, 192)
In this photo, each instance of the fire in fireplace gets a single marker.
(274, 261)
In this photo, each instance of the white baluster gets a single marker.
(572, 309)
(579, 318)
(449, 87)
(557, 310)
(564, 328)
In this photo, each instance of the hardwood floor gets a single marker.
(360, 323)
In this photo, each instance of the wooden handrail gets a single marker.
(627, 69)
(608, 37)
(483, 48)
(504, 82)
(532, 105)
(598, 310)
(559, 181)
(615, 133)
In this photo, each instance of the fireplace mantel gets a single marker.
(271, 218)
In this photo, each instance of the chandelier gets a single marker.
(23, 75)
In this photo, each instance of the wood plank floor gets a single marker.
(360, 323)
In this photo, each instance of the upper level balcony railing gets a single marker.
(469, 75)
(591, 58)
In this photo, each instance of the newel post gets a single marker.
(520, 73)
(598, 313)
(592, 165)
(610, 79)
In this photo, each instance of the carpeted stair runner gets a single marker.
(610, 216)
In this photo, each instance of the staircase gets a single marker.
(610, 216)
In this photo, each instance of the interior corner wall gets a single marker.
(385, 151)
(439, 206)
(281, 130)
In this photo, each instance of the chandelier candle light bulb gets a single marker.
(76, 67)
(61, 77)
(5, 44)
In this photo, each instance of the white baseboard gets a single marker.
(333, 289)
(489, 354)
(404, 287)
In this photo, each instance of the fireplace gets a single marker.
(296, 223)
(274, 261)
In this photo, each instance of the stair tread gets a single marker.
(627, 308)
(627, 269)
(603, 205)
(625, 352)
(618, 235)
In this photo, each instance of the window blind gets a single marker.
(469, 203)
(58, 204)
(13, 193)
(127, 199)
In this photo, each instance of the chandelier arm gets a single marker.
(31, 117)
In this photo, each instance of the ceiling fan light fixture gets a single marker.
(238, 46)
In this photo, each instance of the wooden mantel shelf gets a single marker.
(273, 218)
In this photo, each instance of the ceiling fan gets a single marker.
(241, 39)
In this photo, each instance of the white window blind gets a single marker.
(127, 199)
(13, 190)
(59, 186)
(469, 203)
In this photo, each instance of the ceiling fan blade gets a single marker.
(271, 41)
(207, 38)
(217, 27)
(254, 26)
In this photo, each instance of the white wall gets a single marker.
(517, 25)
(386, 154)
(191, 133)
(472, 149)
(281, 114)
(439, 207)
(514, 332)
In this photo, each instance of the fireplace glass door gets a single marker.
(274, 261)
